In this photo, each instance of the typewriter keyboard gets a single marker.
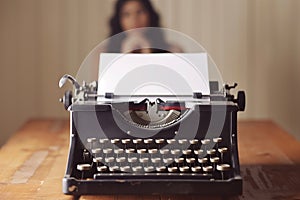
(205, 158)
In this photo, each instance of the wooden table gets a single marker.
(33, 163)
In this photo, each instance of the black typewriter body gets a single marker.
(107, 156)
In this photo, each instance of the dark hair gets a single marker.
(115, 26)
(156, 37)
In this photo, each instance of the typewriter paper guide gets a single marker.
(140, 75)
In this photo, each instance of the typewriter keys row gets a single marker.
(111, 161)
(171, 169)
(165, 151)
(167, 160)
(92, 141)
(117, 156)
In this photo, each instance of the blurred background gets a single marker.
(254, 43)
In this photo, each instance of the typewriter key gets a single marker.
(114, 168)
(175, 151)
(223, 150)
(186, 152)
(132, 159)
(152, 151)
(149, 169)
(84, 167)
(148, 141)
(144, 160)
(141, 151)
(196, 169)
(137, 168)
(214, 159)
(120, 159)
(115, 141)
(161, 169)
(182, 141)
(217, 140)
(125, 141)
(194, 141)
(211, 152)
(172, 169)
(103, 141)
(159, 141)
(164, 151)
(184, 169)
(156, 160)
(179, 160)
(107, 150)
(190, 160)
(205, 141)
(101, 168)
(118, 151)
(222, 168)
(168, 160)
(207, 168)
(97, 159)
(129, 151)
(137, 141)
(95, 151)
(202, 160)
(171, 141)
(125, 169)
(198, 151)
(91, 140)
(109, 159)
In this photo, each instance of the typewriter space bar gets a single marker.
(151, 176)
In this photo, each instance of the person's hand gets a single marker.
(135, 42)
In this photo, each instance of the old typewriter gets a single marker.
(152, 142)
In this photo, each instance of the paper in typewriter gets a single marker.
(160, 74)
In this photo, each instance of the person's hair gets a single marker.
(115, 26)
(155, 36)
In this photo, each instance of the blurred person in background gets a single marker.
(132, 16)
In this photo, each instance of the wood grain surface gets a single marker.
(33, 163)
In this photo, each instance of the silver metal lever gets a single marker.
(66, 77)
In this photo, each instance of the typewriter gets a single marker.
(152, 144)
